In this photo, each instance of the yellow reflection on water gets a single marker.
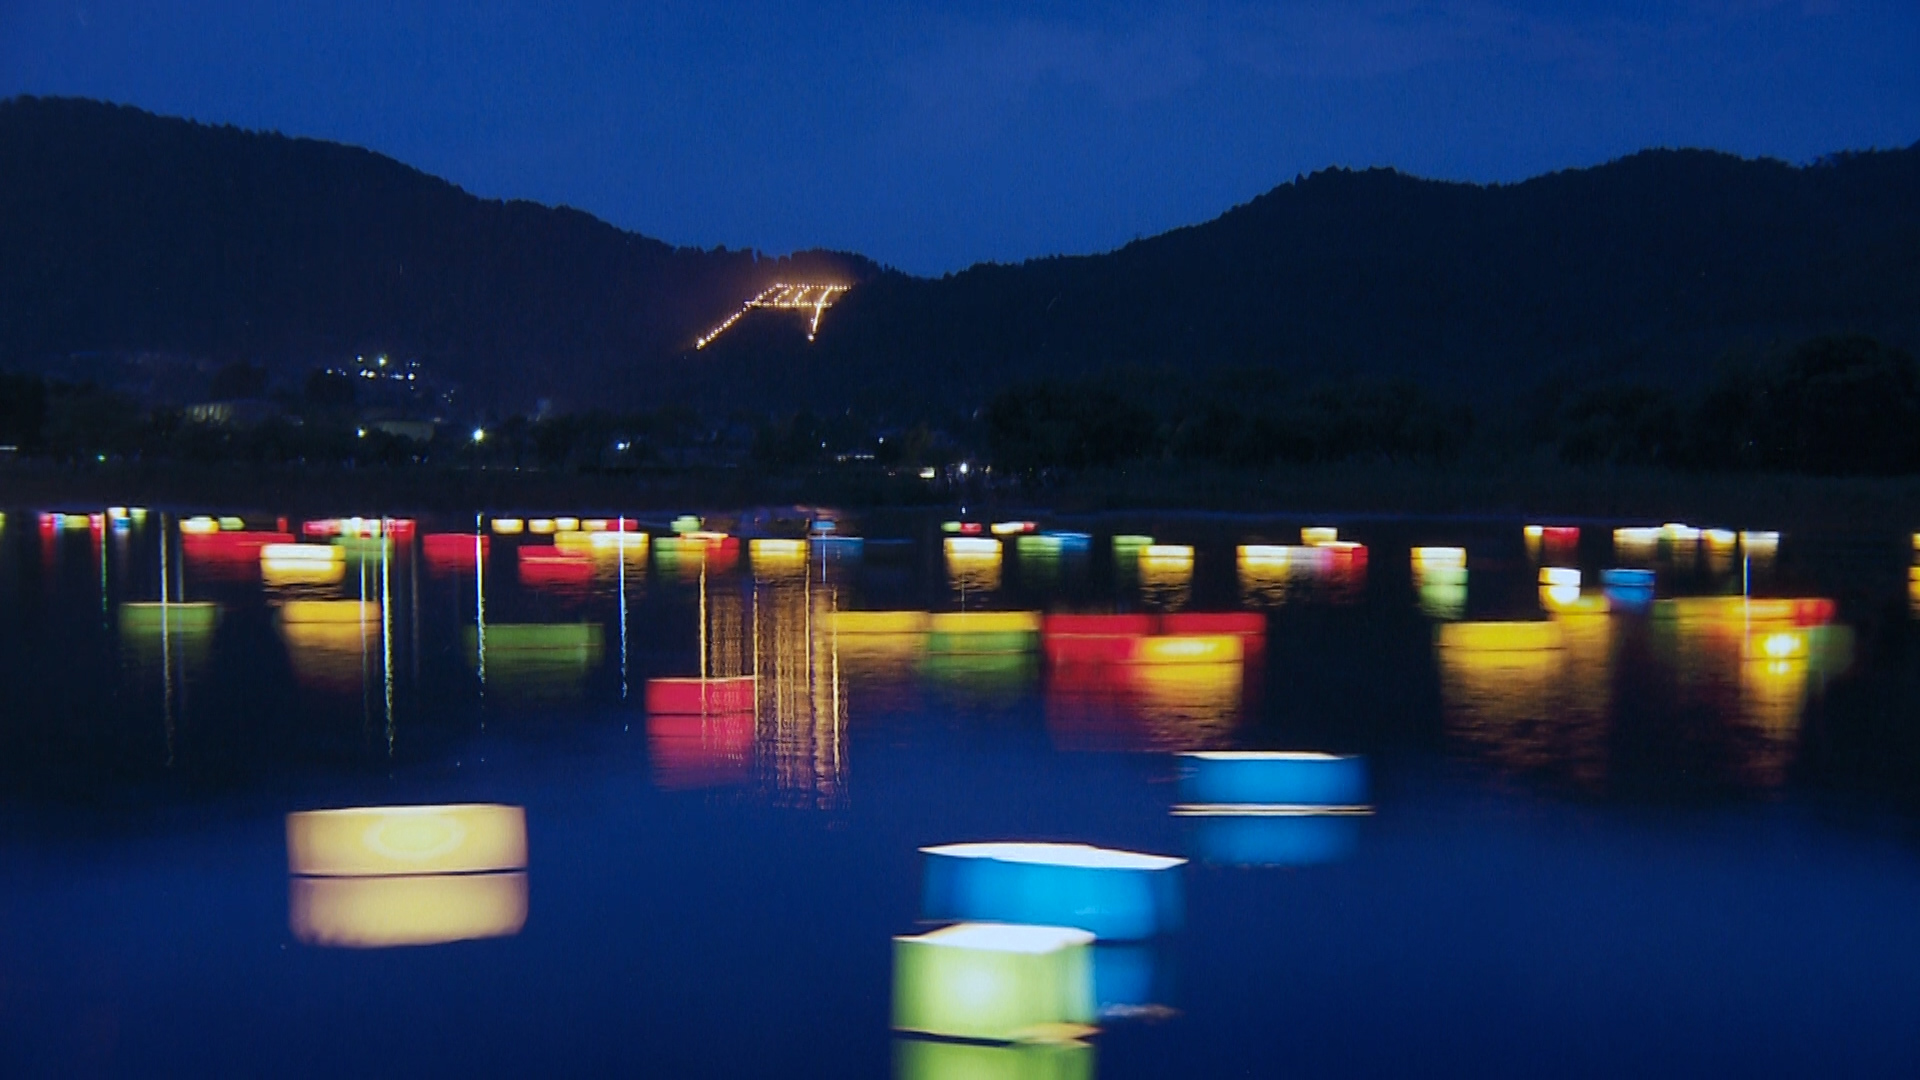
(1166, 577)
(973, 574)
(1531, 696)
(384, 912)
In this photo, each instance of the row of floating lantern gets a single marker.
(1047, 940)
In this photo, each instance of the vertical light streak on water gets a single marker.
(104, 529)
(166, 645)
(366, 704)
(413, 607)
(480, 611)
(620, 552)
(386, 634)
(703, 621)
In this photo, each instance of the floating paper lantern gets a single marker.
(693, 696)
(1071, 542)
(381, 840)
(1129, 545)
(566, 524)
(1273, 778)
(781, 552)
(994, 982)
(1500, 636)
(509, 526)
(333, 611)
(840, 547)
(985, 622)
(1012, 528)
(198, 526)
(1167, 553)
(542, 526)
(1437, 558)
(1115, 895)
(1316, 535)
(199, 616)
(1044, 547)
(1718, 538)
(972, 545)
(877, 622)
(1559, 575)
(1567, 600)
(685, 523)
(1758, 543)
(290, 554)
(373, 877)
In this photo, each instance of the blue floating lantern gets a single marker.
(1628, 589)
(1272, 778)
(1116, 895)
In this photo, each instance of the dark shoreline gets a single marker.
(1534, 491)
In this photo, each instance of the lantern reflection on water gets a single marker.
(535, 659)
(994, 983)
(1114, 895)
(946, 1059)
(376, 877)
(333, 645)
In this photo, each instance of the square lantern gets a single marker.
(994, 982)
(1116, 895)
(1272, 778)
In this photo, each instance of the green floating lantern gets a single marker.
(995, 982)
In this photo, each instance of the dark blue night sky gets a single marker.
(933, 137)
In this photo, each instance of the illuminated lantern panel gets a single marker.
(541, 526)
(1167, 553)
(1273, 778)
(1437, 558)
(1316, 535)
(964, 623)
(381, 840)
(778, 549)
(386, 912)
(290, 554)
(877, 622)
(199, 616)
(1013, 528)
(942, 1059)
(1187, 649)
(696, 697)
(1628, 590)
(1130, 544)
(1559, 575)
(971, 545)
(198, 526)
(508, 526)
(330, 611)
(1115, 895)
(994, 983)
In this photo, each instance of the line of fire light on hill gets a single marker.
(783, 297)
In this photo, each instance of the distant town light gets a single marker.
(479, 434)
(928, 473)
(963, 468)
(360, 432)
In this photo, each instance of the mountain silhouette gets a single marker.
(126, 231)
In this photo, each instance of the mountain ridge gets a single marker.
(135, 231)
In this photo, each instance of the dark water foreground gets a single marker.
(1666, 832)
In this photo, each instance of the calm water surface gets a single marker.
(1664, 835)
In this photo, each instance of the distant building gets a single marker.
(244, 413)
(417, 430)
